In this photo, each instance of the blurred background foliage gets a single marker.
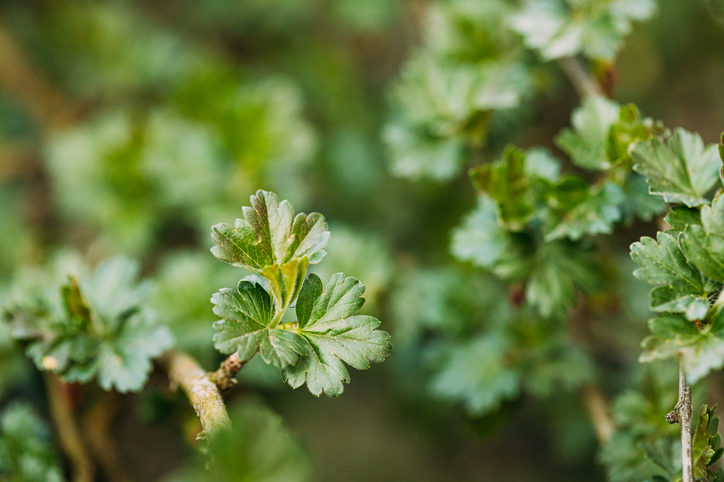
(130, 127)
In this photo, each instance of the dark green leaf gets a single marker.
(245, 329)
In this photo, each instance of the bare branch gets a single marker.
(580, 78)
(203, 394)
(69, 436)
(682, 414)
(225, 376)
(599, 412)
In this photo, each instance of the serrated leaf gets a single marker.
(247, 314)
(701, 350)
(272, 241)
(682, 171)
(483, 241)
(704, 244)
(596, 213)
(507, 182)
(682, 216)
(587, 143)
(680, 286)
(102, 328)
(704, 442)
(335, 334)
(640, 202)
(556, 272)
(558, 28)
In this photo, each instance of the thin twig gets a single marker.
(599, 411)
(682, 414)
(225, 376)
(203, 394)
(97, 425)
(583, 82)
(67, 430)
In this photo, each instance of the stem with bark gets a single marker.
(583, 82)
(69, 436)
(682, 413)
(203, 393)
(599, 412)
(225, 376)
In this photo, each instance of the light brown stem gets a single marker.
(97, 426)
(582, 81)
(67, 430)
(599, 411)
(203, 394)
(225, 376)
(682, 414)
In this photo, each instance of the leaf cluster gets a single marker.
(278, 248)
(684, 262)
(532, 223)
(91, 325)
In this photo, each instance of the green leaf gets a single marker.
(587, 144)
(701, 350)
(415, 154)
(640, 202)
(682, 172)
(102, 329)
(681, 216)
(245, 329)
(705, 441)
(334, 334)
(680, 286)
(704, 244)
(507, 182)
(476, 374)
(272, 242)
(483, 241)
(25, 447)
(557, 270)
(596, 213)
(259, 448)
(558, 28)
